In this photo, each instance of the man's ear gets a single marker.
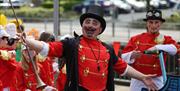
(100, 30)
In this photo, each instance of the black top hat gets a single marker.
(154, 15)
(96, 12)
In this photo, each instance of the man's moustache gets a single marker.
(90, 29)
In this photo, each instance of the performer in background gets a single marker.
(8, 64)
(150, 40)
(26, 78)
(19, 25)
(47, 62)
(89, 61)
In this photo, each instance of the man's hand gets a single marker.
(148, 81)
(22, 37)
(135, 54)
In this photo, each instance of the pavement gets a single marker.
(121, 88)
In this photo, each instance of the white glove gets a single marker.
(55, 67)
(169, 48)
(49, 88)
(27, 90)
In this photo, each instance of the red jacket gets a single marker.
(27, 79)
(147, 64)
(49, 74)
(89, 76)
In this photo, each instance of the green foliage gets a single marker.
(64, 4)
(67, 4)
(37, 13)
(70, 15)
(29, 12)
(175, 18)
(47, 4)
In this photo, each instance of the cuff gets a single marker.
(124, 73)
(127, 57)
(169, 48)
(27, 90)
(55, 67)
(49, 88)
(45, 49)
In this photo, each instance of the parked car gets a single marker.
(176, 6)
(122, 6)
(83, 7)
(15, 3)
(172, 3)
(137, 6)
(160, 4)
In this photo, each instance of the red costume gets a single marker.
(8, 73)
(92, 71)
(27, 79)
(147, 64)
(47, 66)
(61, 81)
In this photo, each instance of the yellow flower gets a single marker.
(4, 55)
(159, 39)
(40, 58)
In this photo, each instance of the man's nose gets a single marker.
(154, 24)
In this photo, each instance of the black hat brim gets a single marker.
(90, 15)
(161, 19)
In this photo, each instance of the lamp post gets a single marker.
(56, 18)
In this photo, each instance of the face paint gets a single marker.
(91, 28)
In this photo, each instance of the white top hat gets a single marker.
(11, 30)
(3, 33)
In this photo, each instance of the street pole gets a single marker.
(56, 18)
(148, 4)
(96, 2)
(114, 17)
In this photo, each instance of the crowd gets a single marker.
(16, 67)
(28, 61)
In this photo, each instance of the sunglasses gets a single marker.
(4, 38)
(155, 13)
(11, 41)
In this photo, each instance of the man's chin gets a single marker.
(90, 36)
(154, 32)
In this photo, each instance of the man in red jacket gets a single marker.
(90, 62)
(150, 40)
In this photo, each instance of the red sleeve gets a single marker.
(130, 46)
(120, 66)
(169, 40)
(55, 49)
